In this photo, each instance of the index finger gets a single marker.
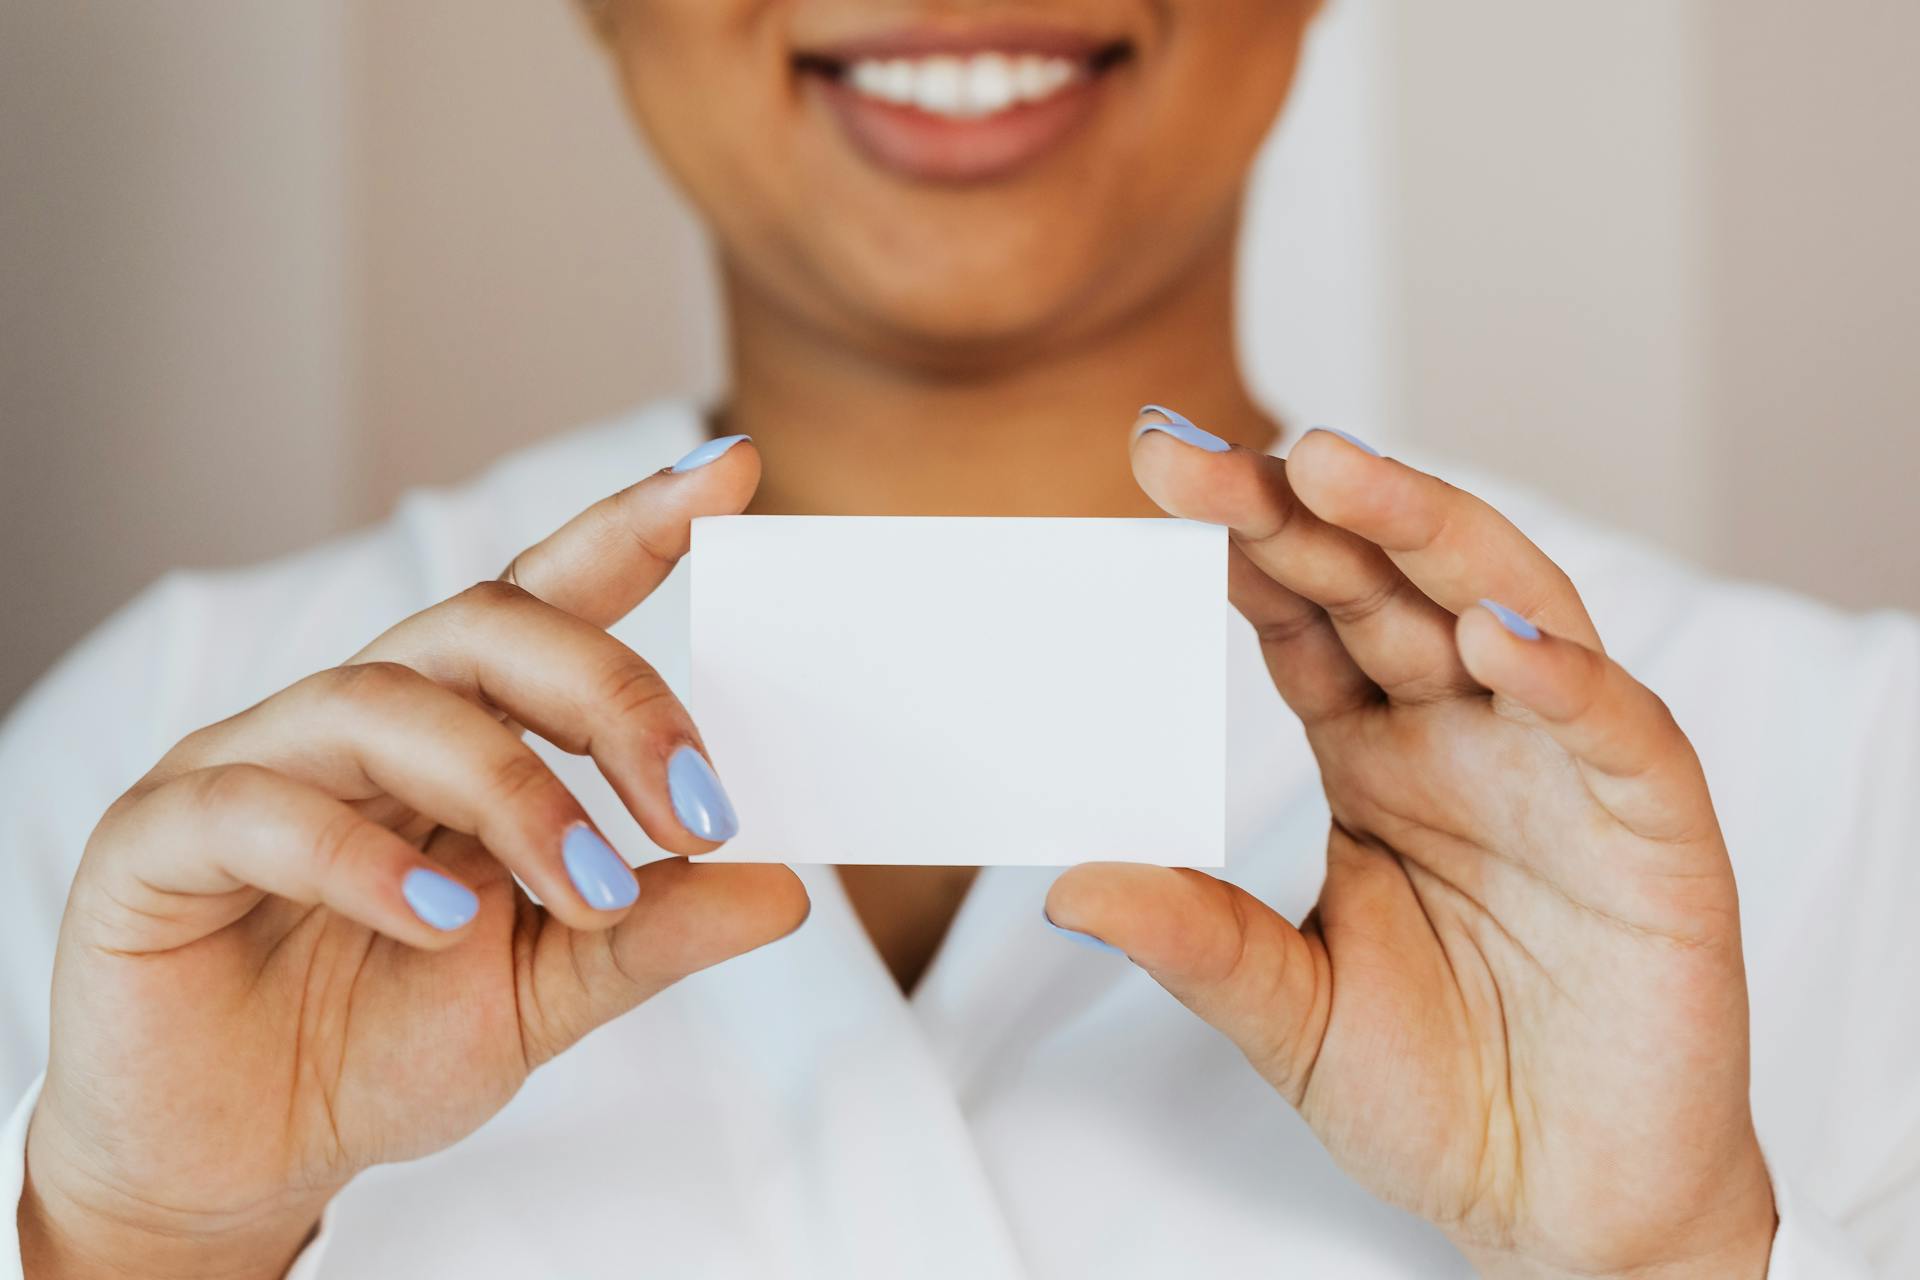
(1455, 547)
(610, 557)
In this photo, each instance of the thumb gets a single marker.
(690, 915)
(610, 557)
(1219, 950)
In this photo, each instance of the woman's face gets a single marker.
(949, 180)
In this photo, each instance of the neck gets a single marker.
(844, 432)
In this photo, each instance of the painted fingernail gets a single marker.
(699, 801)
(705, 453)
(445, 904)
(1350, 438)
(1086, 940)
(1180, 429)
(602, 876)
(1512, 621)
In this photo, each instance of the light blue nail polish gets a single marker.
(705, 453)
(1086, 940)
(1180, 429)
(443, 903)
(1350, 438)
(699, 801)
(602, 876)
(1512, 621)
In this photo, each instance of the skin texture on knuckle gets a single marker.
(196, 745)
(464, 611)
(624, 520)
(635, 712)
(538, 1043)
(1371, 599)
(210, 743)
(492, 593)
(520, 782)
(365, 684)
(226, 793)
(628, 686)
(128, 802)
(1281, 632)
(335, 849)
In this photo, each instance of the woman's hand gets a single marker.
(296, 948)
(1519, 1009)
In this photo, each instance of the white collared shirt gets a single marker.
(1034, 1108)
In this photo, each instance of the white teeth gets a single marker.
(940, 86)
(1036, 77)
(990, 85)
(1032, 75)
(896, 81)
(871, 78)
(963, 88)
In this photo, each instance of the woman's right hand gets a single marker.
(296, 947)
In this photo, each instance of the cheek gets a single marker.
(707, 82)
(1229, 67)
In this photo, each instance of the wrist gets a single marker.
(1723, 1231)
(73, 1224)
(1746, 1262)
(62, 1238)
(1740, 1253)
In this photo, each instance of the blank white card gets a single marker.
(951, 690)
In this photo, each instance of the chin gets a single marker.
(981, 293)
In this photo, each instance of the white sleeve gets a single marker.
(79, 738)
(1808, 1247)
(307, 1265)
(1842, 1029)
(1805, 1247)
(1809, 726)
(13, 1173)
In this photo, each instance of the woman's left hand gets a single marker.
(1519, 1009)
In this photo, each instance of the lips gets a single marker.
(950, 106)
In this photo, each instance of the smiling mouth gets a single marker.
(940, 107)
(965, 86)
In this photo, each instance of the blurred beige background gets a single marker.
(264, 266)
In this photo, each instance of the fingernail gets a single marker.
(699, 801)
(705, 453)
(602, 876)
(1180, 429)
(445, 904)
(1512, 621)
(1084, 939)
(1350, 438)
